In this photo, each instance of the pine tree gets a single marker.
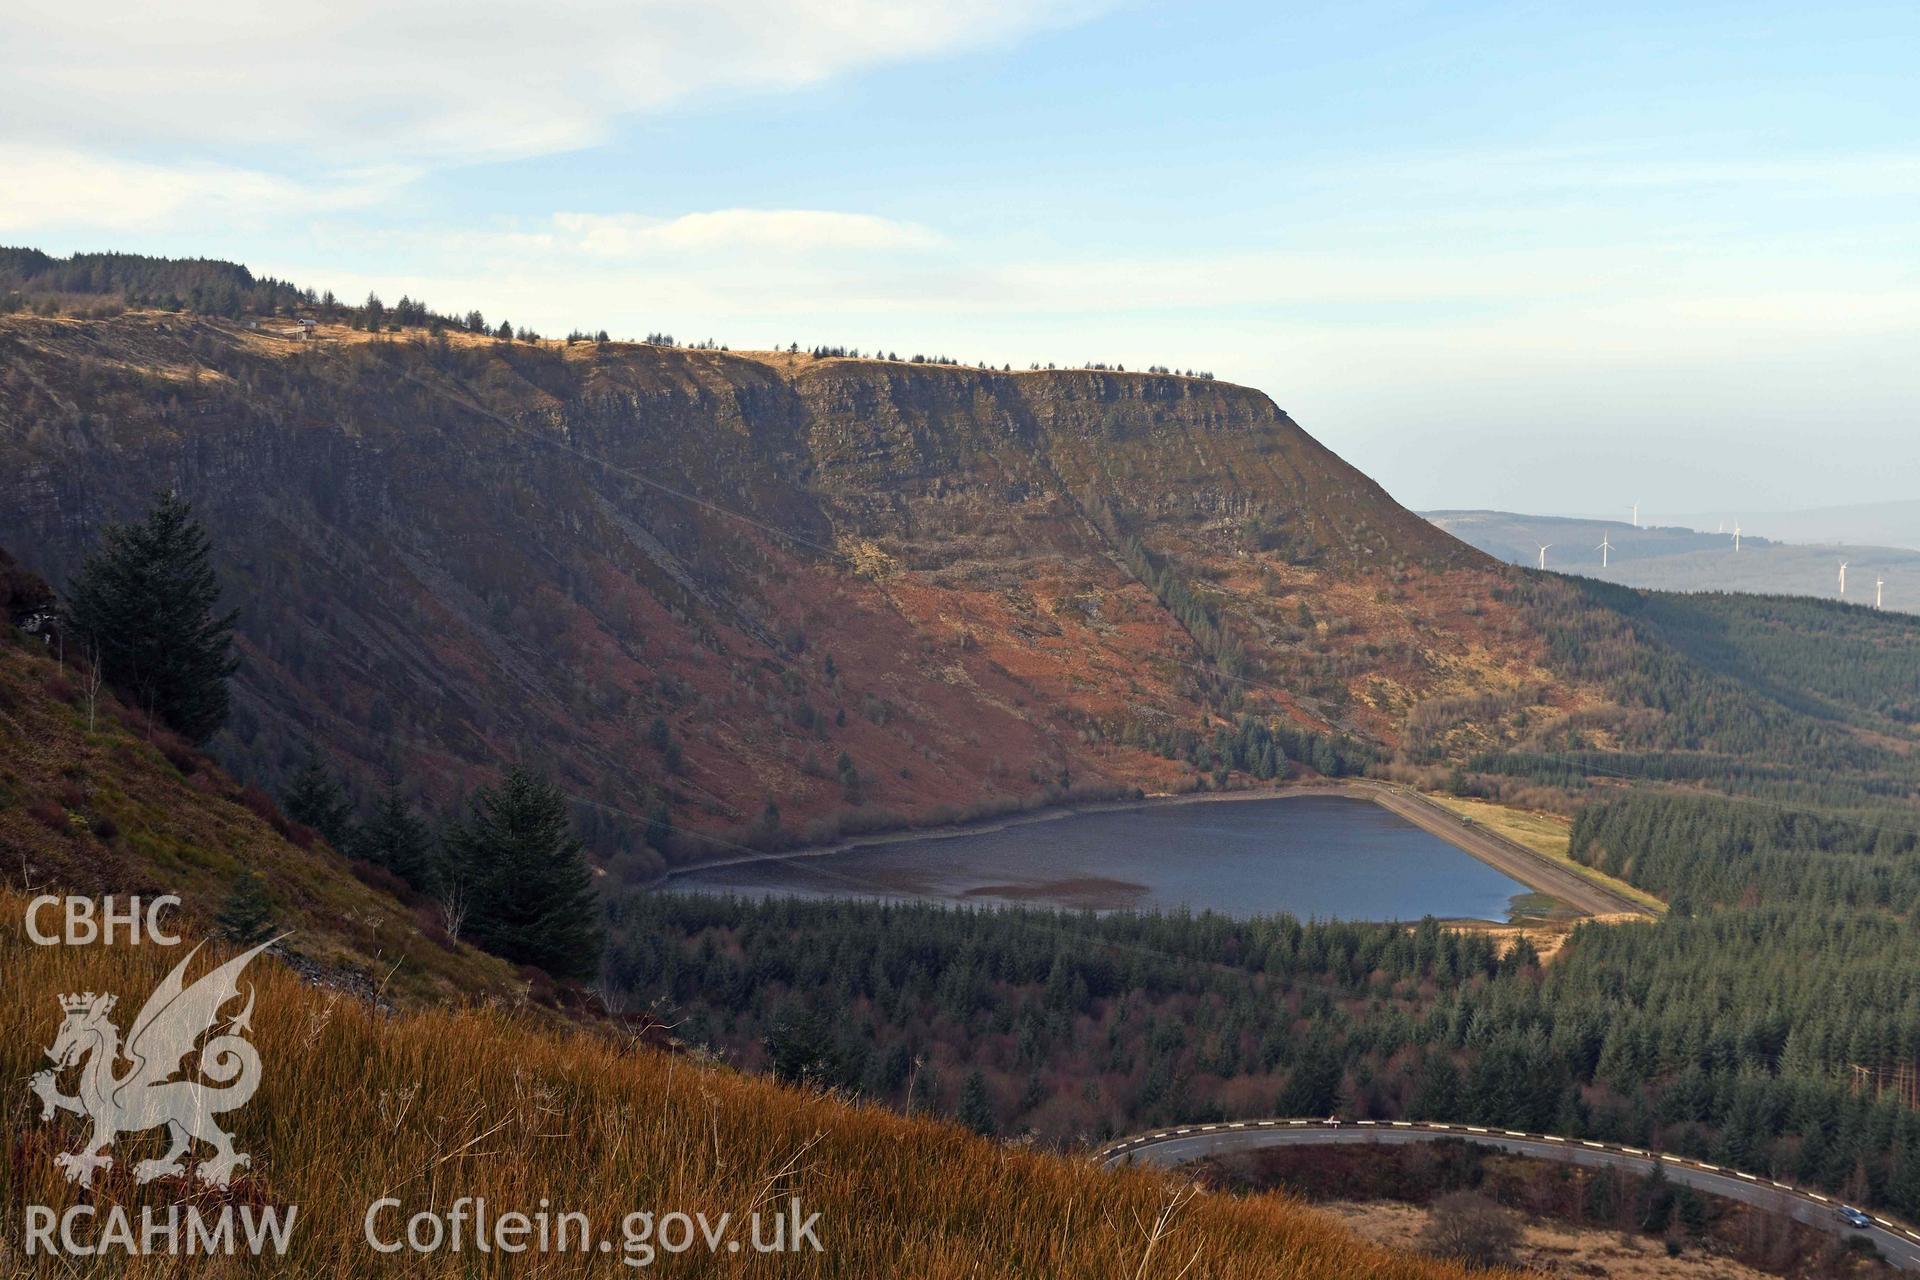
(1520, 956)
(976, 1108)
(315, 799)
(1313, 1089)
(396, 838)
(246, 917)
(145, 601)
(800, 1049)
(531, 891)
(1437, 1095)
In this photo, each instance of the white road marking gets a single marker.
(1891, 1228)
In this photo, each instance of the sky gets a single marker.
(1540, 257)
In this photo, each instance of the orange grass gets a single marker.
(433, 1105)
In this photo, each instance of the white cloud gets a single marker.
(357, 96)
(52, 186)
(442, 81)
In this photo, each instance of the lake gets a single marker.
(1328, 857)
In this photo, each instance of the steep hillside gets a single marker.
(89, 804)
(761, 598)
(699, 584)
(1809, 702)
(441, 1104)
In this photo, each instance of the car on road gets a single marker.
(1852, 1217)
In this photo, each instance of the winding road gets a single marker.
(1898, 1242)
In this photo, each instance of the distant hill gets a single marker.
(1879, 524)
(1668, 558)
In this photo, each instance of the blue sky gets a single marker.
(1543, 257)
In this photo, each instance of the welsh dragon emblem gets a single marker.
(145, 1094)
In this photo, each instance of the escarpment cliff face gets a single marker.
(916, 451)
(752, 593)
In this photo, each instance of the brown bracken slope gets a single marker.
(857, 591)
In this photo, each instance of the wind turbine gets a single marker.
(1879, 585)
(1543, 555)
(1736, 535)
(1843, 579)
(1605, 547)
(1636, 515)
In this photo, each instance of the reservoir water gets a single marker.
(1328, 857)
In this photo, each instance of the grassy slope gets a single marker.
(438, 1104)
(108, 812)
(1547, 834)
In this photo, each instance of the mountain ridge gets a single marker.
(454, 548)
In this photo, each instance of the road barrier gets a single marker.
(1113, 1152)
